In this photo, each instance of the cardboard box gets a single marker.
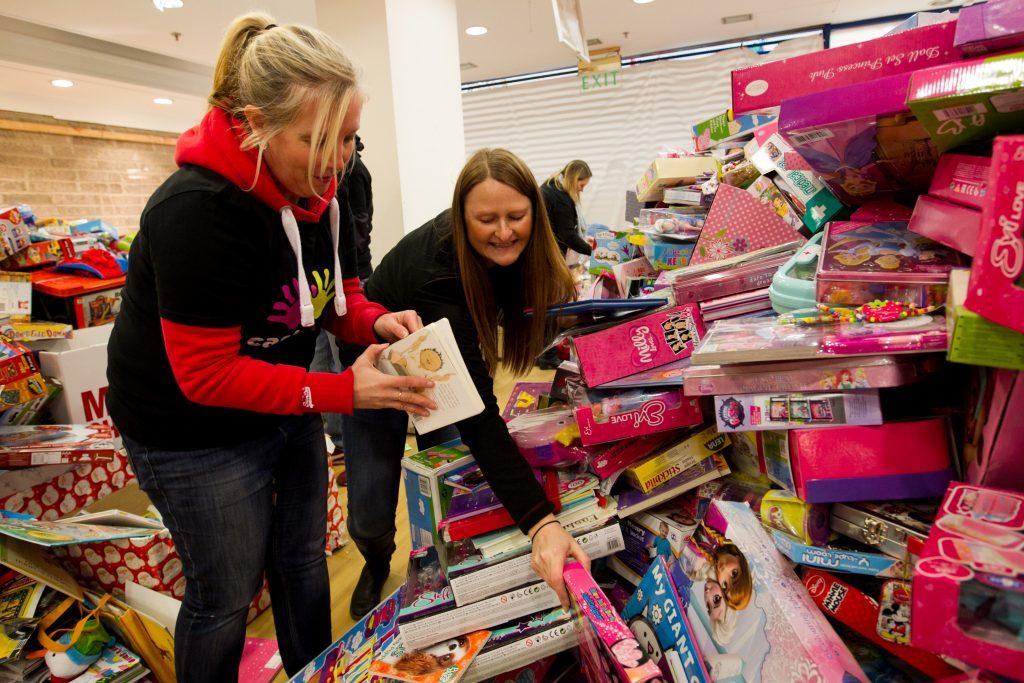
(427, 496)
(612, 248)
(990, 27)
(656, 615)
(13, 231)
(868, 148)
(971, 565)
(724, 127)
(818, 205)
(635, 412)
(666, 172)
(766, 85)
(970, 100)
(996, 289)
(16, 296)
(80, 363)
(39, 254)
(657, 469)
(535, 648)
(975, 340)
(994, 438)
(961, 179)
(952, 225)
(658, 534)
(68, 488)
(665, 253)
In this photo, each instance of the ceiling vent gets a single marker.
(465, 66)
(591, 42)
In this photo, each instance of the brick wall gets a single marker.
(67, 175)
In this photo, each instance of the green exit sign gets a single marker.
(599, 81)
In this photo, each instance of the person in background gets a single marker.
(561, 194)
(243, 255)
(355, 191)
(562, 199)
(479, 264)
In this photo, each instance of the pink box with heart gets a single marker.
(635, 412)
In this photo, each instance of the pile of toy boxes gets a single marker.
(801, 451)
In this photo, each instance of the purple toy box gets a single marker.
(993, 26)
(765, 85)
(870, 147)
(641, 344)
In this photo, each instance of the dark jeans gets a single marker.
(325, 359)
(374, 444)
(233, 513)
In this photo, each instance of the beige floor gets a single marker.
(345, 564)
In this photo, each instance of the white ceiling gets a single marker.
(122, 54)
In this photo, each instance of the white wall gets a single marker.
(360, 27)
(617, 131)
(423, 37)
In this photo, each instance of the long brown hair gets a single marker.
(544, 276)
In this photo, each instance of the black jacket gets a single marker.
(420, 273)
(358, 188)
(564, 219)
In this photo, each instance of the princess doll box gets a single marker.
(751, 616)
(643, 343)
(968, 587)
(861, 262)
(766, 85)
(990, 27)
(827, 374)
(870, 146)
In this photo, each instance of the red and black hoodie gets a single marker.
(227, 290)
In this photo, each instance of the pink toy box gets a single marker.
(990, 27)
(616, 415)
(870, 147)
(995, 448)
(961, 179)
(751, 616)
(548, 437)
(953, 225)
(766, 412)
(861, 262)
(969, 583)
(738, 223)
(609, 651)
(643, 343)
(829, 374)
(893, 461)
(996, 289)
(765, 85)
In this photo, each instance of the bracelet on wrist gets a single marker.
(537, 530)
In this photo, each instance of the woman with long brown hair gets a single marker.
(479, 264)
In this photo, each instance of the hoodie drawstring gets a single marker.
(291, 231)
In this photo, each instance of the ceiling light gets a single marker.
(737, 18)
(939, 3)
(61, 83)
(643, 2)
(167, 4)
(162, 100)
(476, 30)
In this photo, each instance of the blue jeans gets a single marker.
(374, 444)
(325, 359)
(235, 513)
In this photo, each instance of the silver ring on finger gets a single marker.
(400, 396)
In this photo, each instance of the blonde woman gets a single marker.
(243, 255)
(562, 199)
(478, 264)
